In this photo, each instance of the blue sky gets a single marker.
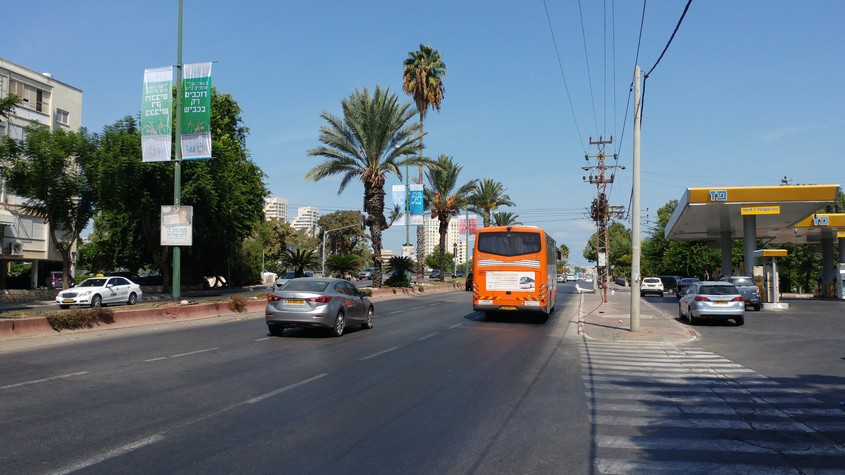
(748, 92)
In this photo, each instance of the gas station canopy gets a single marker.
(704, 214)
(813, 229)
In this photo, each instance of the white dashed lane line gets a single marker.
(43, 380)
(160, 358)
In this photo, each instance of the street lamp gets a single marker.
(407, 206)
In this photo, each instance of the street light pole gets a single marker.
(324, 242)
(454, 257)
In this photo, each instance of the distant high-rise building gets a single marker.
(276, 208)
(455, 237)
(306, 219)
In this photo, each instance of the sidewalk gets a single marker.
(611, 320)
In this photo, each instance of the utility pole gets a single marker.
(601, 211)
(635, 210)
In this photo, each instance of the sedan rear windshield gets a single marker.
(718, 290)
(742, 281)
(306, 285)
(509, 243)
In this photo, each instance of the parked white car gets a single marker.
(651, 285)
(99, 292)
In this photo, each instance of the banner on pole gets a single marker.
(155, 114)
(463, 228)
(399, 200)
(416, 204)
(176, 225)
(196, 111)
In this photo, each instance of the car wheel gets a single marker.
(64, 307)
(96, 301)
(681, 312)
(133, 299)
(692, 320)
(757, 307)
(642, 294)
(276, 330)
(339, 323)
(661, 294)
(739, 321)
(368, 323)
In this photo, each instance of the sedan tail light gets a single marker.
(737, 299)
(701, 298)
(320, 299)
(273, 298)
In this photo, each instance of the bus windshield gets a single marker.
(509, 243)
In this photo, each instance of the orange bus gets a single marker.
(514, 268)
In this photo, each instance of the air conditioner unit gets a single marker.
(16, 249)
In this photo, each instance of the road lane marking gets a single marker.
(417, 308)
(284, 389)
(455, 326)
(44, 380)
(380, 353)
(265, 338)
(110, 454)
(397, 311)
(180, 355)
(427, 336)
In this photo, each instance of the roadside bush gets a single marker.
(397, 282)
(237, 303)
(80, 318)
(367, 292)
(420, 289)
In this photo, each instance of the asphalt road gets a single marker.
(433, 388)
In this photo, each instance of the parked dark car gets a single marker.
(747, 288)
(670, 283)
(55, 279)
(684, 283)
(468, 285)
(435, 274)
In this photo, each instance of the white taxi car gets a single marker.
(100, 291)
(651, 285)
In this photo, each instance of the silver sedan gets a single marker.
(712, 300)
(316, 302)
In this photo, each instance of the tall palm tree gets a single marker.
(372, 140)
(487, 196)
(299, 260)
(445, 200)
(422, 78)
(504, 218)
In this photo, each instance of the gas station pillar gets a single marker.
(749, 231)
(727, 245)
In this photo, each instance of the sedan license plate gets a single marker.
(294, 302)
(720, 302)
(67, 300)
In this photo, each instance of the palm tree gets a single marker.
(339, 265)
(372, 140)
(401, 267)
(422, 77)
(445, 201)
(299, 260)
(504, 218)
(487, 196)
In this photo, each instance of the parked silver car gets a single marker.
(747, 288)
(712, 300)
(317, 302)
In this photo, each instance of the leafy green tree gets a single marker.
(619, 244)
(346, 232)
(446, 198)
(433, 260)
(372, 140)
(339, 265)
(487, 196)
(49, 169)
(423, 73)
(504, 218)
(300, 260)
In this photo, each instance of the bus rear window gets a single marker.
(509, 244)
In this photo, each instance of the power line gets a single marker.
(589, 75)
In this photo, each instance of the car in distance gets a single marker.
(747, 288)
(99, 292)
(651, 285)
(712, 300)
(365, 274)
(684, 283)
(318, 302)
(435, 274)
(670, 283)
(571, 278)
(284, 278)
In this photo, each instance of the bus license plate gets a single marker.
(532, 303)
(485, 302)
(507, 307)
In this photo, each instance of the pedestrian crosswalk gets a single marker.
(668, 408)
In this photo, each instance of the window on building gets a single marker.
(31, 97)
(62, 117)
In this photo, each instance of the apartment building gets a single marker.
(43, 100)
(455, 237)
(276, 208)
(306, 219)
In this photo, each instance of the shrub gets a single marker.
(237, 303)
(367, 292)
(420, 288)
(397, 281)
(79, 318)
